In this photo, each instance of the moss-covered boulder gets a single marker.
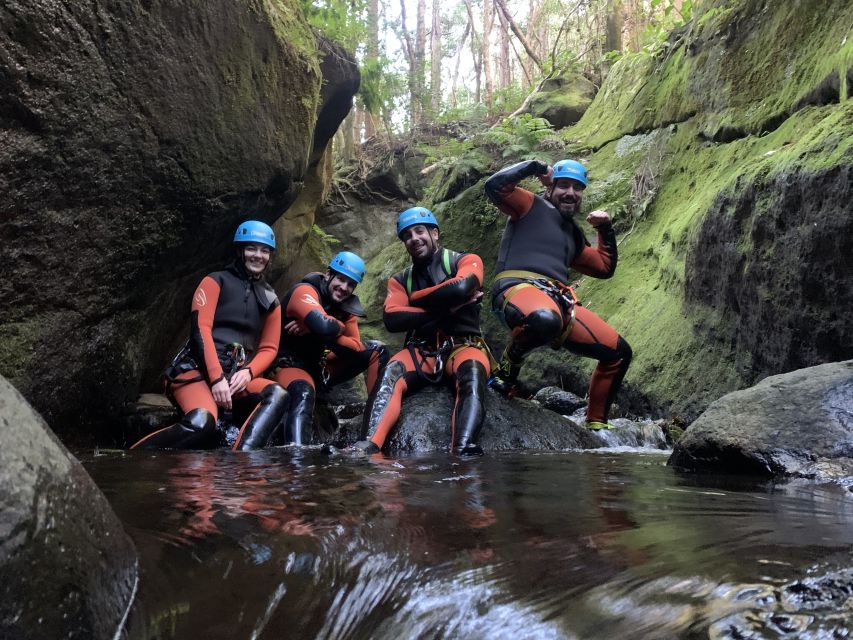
(67, 568)
(563, 99)
(738, 68)
(795, 424)
(136, 135)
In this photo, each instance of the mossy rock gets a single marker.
(563, 100)
(739, 68)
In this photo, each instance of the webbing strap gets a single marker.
(445, 264)
(524, 275)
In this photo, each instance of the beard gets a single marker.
(567, 207)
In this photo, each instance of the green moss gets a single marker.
(739, 69)
(372, 292)
(17, 345)
(644, 300)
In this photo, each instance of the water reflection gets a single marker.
(291, 543)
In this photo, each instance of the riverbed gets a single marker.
(289, 543)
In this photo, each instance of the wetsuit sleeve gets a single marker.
(599, 262)
(304, 307)
(349, 340)
(268, 343)
(501, 188)
(399, 314)
(205, 299)
(455, 290)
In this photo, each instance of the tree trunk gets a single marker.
(488, 19)
(506, 19)
(459, 51)
(420, 60)
(475, 52)
(504, 75)
(435, 59)
(409, 52)
(613, 33)
(372, 58)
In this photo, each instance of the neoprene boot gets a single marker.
(300, 417)
(470, 410)
(258, 429)
(505, 378)
(377, 405)
(196, 430)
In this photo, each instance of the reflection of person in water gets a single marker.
(204, 491)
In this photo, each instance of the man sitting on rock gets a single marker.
(531, 292)
(320, 342)
(436, 301)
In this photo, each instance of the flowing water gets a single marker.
(296, 544)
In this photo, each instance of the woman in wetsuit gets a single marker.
(234, 335)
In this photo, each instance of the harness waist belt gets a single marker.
(523, 275)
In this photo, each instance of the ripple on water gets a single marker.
(550, 545)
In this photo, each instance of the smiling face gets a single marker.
(340, 286)
(566, 194)
(256, 257)
(421, 241)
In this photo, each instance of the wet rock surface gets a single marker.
(555, 399)
(516, 424)
(794, 424)
(136, 136)
(67, 568)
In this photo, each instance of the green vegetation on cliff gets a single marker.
(726, 164)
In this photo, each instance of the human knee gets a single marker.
(274, 394)
(542, 326)
(379, 349)
(471, 377)
(625, 352)
(201, 421)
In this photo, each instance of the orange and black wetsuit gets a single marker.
(235, 324)
(430, 302)
(330, 353)
(531, 291)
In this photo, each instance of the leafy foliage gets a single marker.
(518, 136)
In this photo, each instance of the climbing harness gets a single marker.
(234, 358)
(181, 363)
(562, 294)
(440, 352)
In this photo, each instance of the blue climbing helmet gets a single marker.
(570, 169)
(348, 264)
(255, 231)
(413, 216)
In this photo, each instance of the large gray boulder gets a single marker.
(67, 568)
(794, 424)
(424, 425)
(135, 136)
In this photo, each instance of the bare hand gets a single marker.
(598, 218)
(472, 299)
(547, 178)
(240, 381)
(222, 394)
(293, 328)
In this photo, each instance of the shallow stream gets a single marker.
(608, 544)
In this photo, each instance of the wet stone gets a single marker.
(563, 402)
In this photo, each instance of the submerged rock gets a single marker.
(67, 568)
(794, 424)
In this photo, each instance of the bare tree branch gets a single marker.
(518, 34)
